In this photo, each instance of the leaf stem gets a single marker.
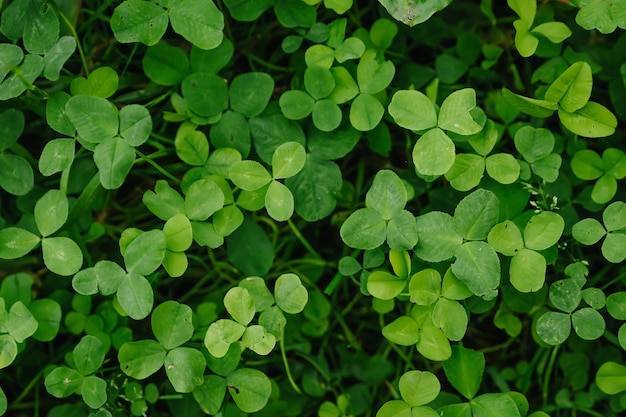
(302, 239)
(283, 354)
(157, 166)
(548, 373)
(74, 34)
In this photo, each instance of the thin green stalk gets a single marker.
(303, 240)
(157, 167)
(59, 12)
(283, 354)
(548, 374)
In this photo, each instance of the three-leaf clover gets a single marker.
(434, 152)
(383, 218)
(587, 165)
(569, 94)
(87, 357)
(287, 160)
(527, 270)
(589, 231)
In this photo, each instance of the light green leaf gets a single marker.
(506, 238)
(418, 387)
(476, 214)
(95, 118)
(258, 339)
(21, 324)
(145, 253)
(94, 391)
(326, 115)
(16, 242)
(466, 172)
(16, 174)
(249, 175)
(611, 378)
(588, 323)
(291, 296)
(102, 82)
(530, 106)
(402, 331)
(593, 120)
(527, 270)
(588, 231)
(61, 255)
(494, 405)
(135, 124)
(387, 195)
(366, 112)
(465, 370)
(114, 158)
(279, 201)
(250, 389)
(433, 344)
(164, 202)
(210, 394)
(373, 76)
(572, 89)
(184, 368)
(288, 159)
(587, 165)
(415, 13)
(250, 92)
(178, 233)
(198, 21)
(296, 104)
(55, 57)
(63, 382)
(383, 285)
(614, 247)
(534, 143)
(412, 110)
(172, 324)
(203, 198)
(139, 21)
(450, 316)
(47, 312)
(88, 355)
(402, 231)
(318, 82)
(455, 115)
(141, 359)
(205, 94)
(56, 156)
(240, 305)
(345, 86)
(543, 230)
(51, 211)
(220, 335)
(135, 296)
(8, 350)
(554, 327)
(504, 168)
(364, 229)
(433, 153)
(555, 32)
(477, 266)
(395, 408)
(425, 287)
(41, 30)
(165, 65)
(438, 239)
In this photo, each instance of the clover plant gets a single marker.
(312, 208)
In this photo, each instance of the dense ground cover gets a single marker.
(304, 207)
